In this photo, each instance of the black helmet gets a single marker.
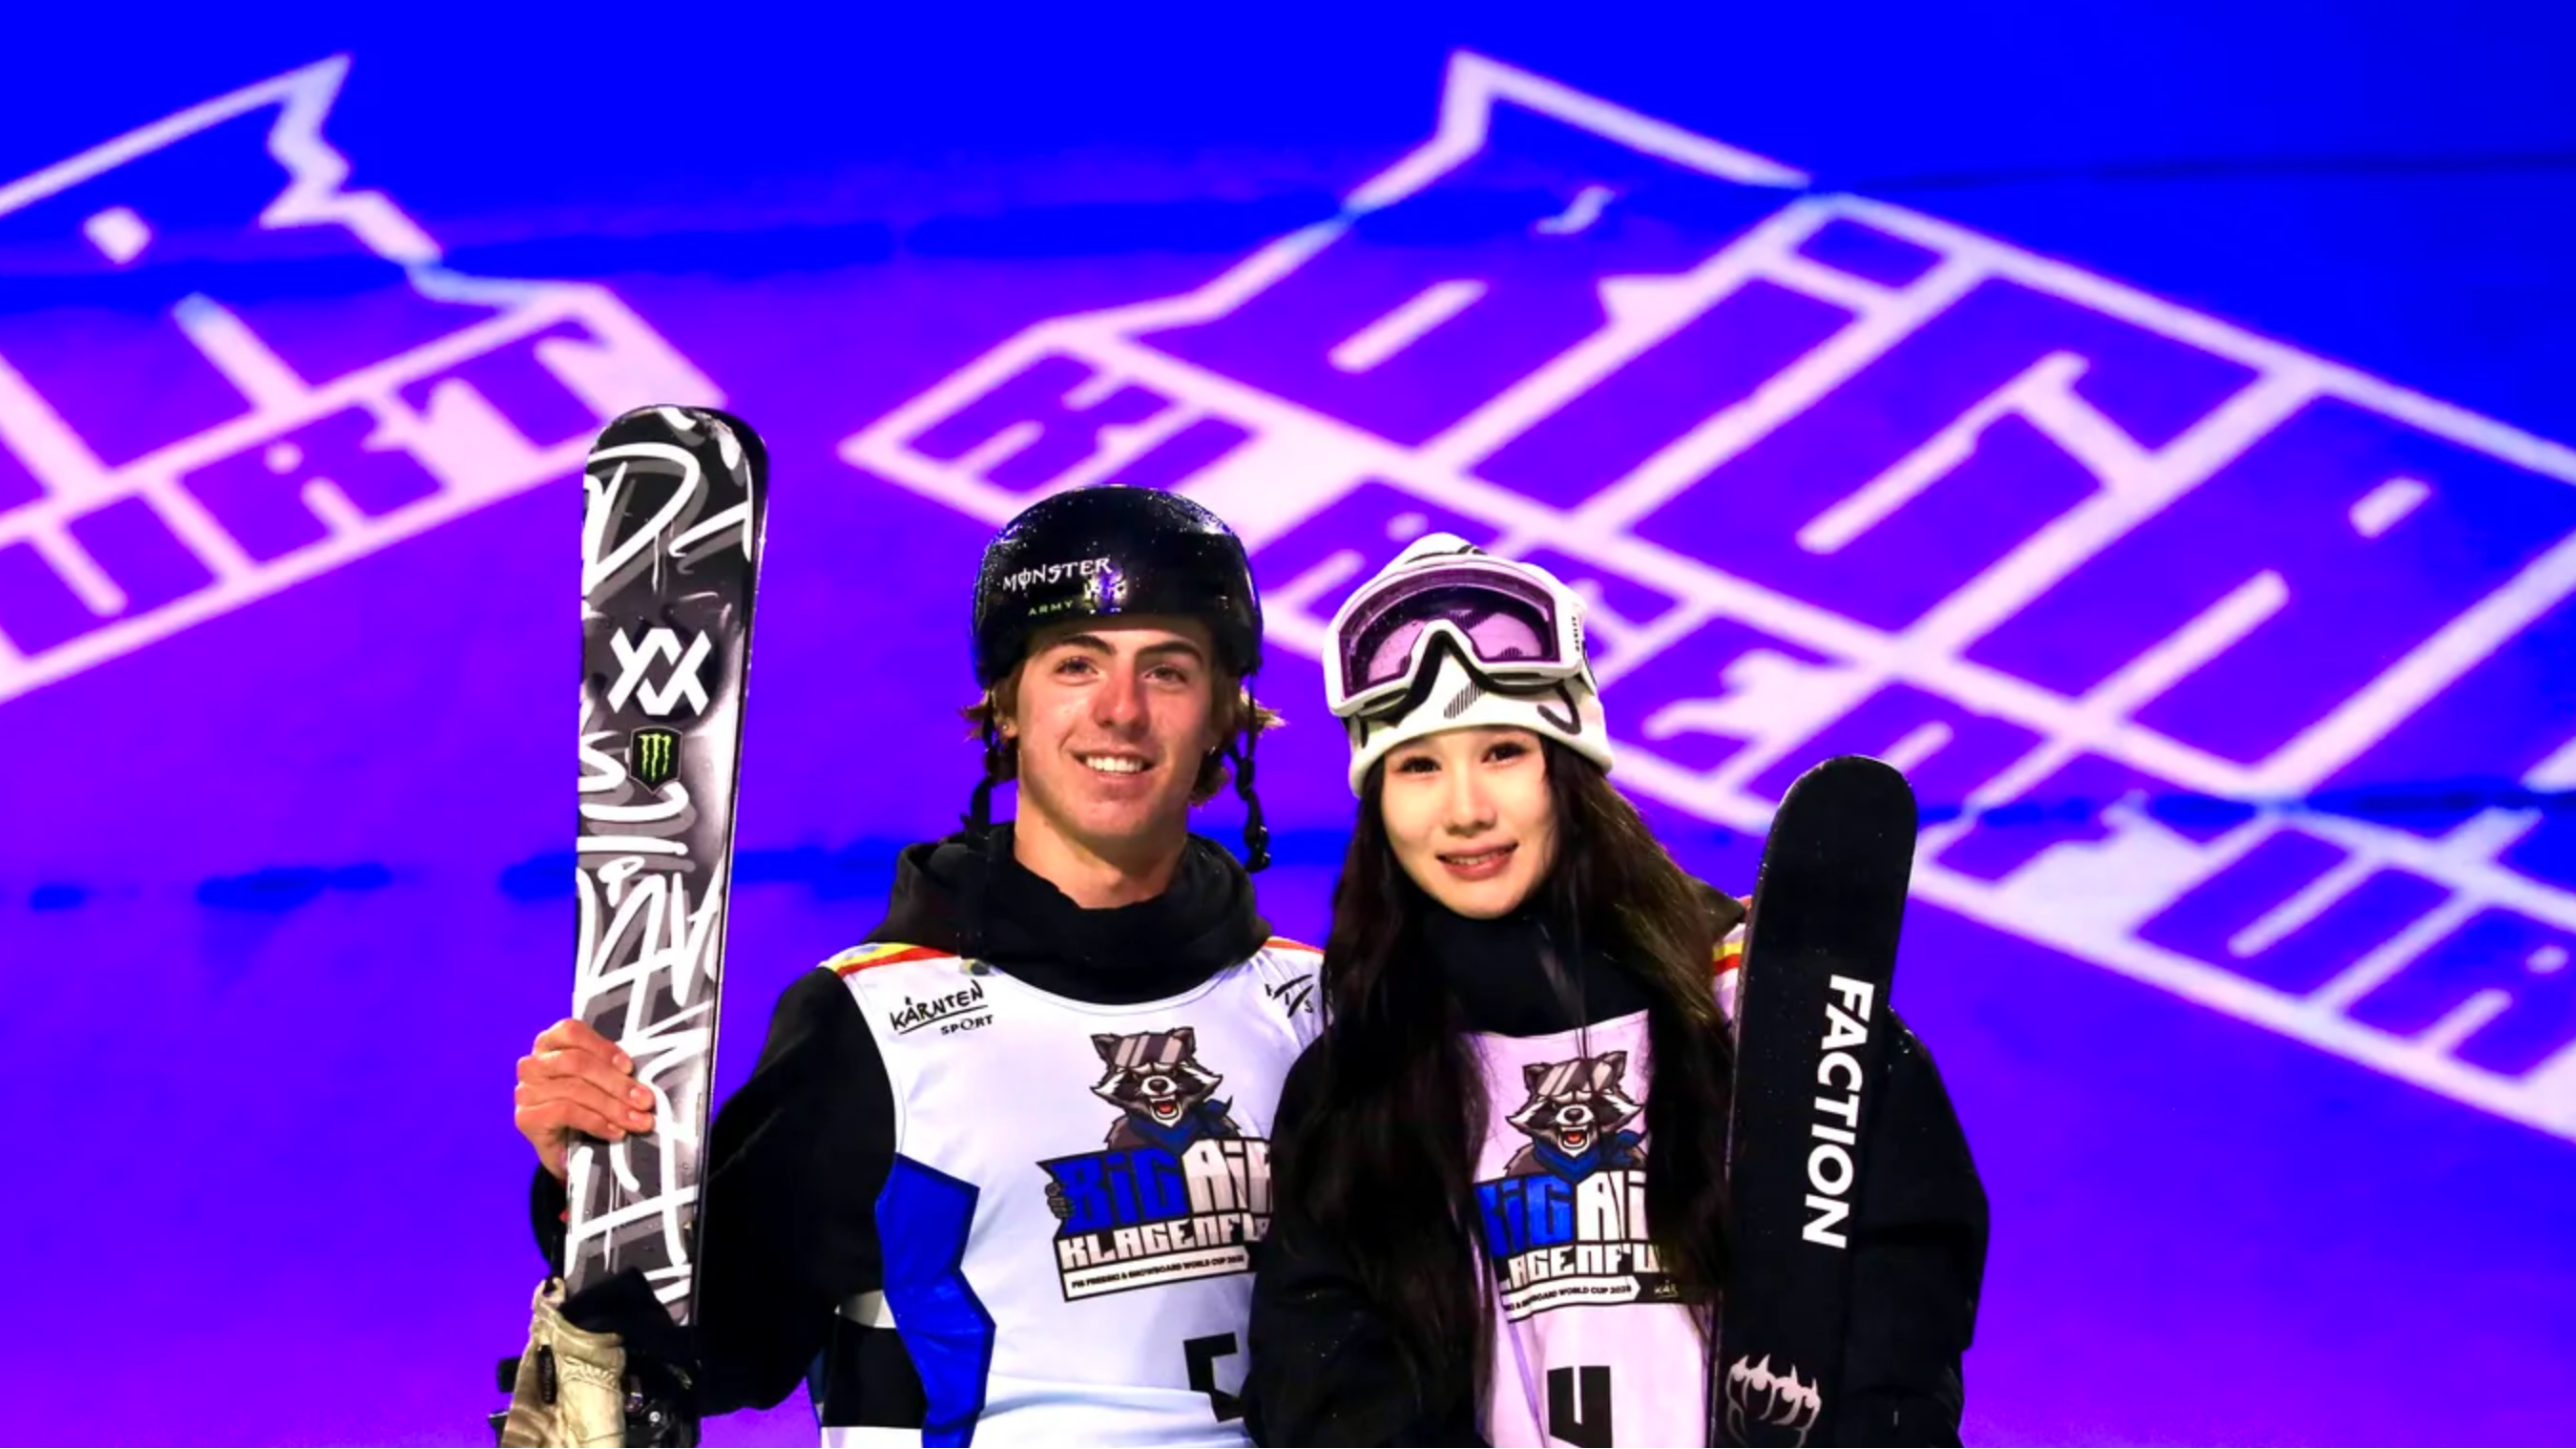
(1095, 552)
(1090, 552)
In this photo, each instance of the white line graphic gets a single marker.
(414, 405)
(2091, 896)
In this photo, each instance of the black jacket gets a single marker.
(798, 1156)
(1324, 1367)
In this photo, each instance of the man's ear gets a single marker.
(1005, 698)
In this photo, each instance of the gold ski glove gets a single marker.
(571, 1388)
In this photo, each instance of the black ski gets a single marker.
(670, 543)
(1813, 1022)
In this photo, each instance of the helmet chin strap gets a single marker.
(1256, 835)
(985, 841)
(978, 818)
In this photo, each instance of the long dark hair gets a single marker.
(1382, 1163)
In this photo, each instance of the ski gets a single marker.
(670, 545)
(1812, 1024)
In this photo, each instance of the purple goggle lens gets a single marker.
(1505, 619)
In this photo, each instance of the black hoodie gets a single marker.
(1324, 1365)
(799, 1155)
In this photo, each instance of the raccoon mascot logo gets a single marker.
(1176, 1191)
(1165, 1098)
(1574, 1117)
(1566, 1222)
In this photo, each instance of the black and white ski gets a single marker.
(671, 529)
(1812, 1013)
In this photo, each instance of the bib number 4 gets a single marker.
(1578, 1406)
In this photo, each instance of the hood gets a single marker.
(979, 901)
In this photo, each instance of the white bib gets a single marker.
(1066, 1227)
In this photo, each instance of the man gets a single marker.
(997, 1174)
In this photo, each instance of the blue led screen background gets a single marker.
(2147, 424)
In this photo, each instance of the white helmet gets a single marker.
(1450, 637)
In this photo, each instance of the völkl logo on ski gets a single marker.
(679, 686)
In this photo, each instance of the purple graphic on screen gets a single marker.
(1895, 488)
(173, 455)
(2234, 682)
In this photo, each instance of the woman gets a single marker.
(1501, 1170)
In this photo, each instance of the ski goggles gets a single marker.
(1509, 623)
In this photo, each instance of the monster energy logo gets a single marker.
(653, 756)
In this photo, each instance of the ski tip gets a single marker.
(1857, 767)
(745, 438)
(750, 436)
(736, 441)
(1854, 779)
